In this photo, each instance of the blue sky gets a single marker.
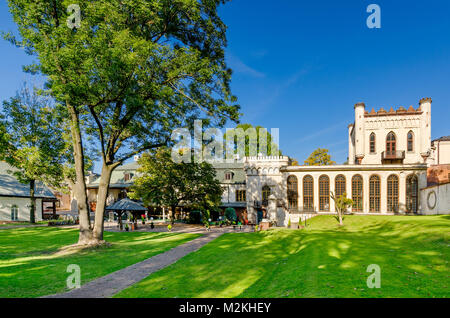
(300, 66)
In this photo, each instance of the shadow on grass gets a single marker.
(329, 261)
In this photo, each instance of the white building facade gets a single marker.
(389, 154)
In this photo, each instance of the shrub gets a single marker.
(195, 217)
(230, 214)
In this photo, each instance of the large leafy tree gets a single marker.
(132, 70)
(32, 141)
(163, 182)
(319, 157)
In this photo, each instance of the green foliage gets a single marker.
(289, 223)
(230, 214)
(131, 73)
(195, 217)
(166, 183)
(319, 157)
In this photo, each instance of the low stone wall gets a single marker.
(435, 199)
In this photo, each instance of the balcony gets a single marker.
(393, 156)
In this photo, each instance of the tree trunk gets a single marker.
(33, 202)
(79, 188)
(172, 214)
(102, 195)
(340, 218)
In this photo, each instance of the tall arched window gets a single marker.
(412, 191)
(340, 185)
(265, 194)
(410, 141)
(324, 193)
(391, 145)
(372, 143)
(292, 186)
(392, 193)
(357, 193)
(374, 194)
(308, 193)
(14, 213)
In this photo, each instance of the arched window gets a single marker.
(265, 194)
(410, 141)
(292, 186)
(14, 213)
(374, 194)
(412, 186)
(357, 193)
(308, 193)
(392, 193)
(372, 143)
(340, 185)
(324, 193)
(391, 145)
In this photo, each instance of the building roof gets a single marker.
(236, 167)
(10, 186)
(118, 177)
(444, 138)
(126, 205)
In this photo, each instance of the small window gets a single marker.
(372, 143)
(240, 196)
(265, 194)
(228, 176)
(14, 213)
(410, 141)
(128, 176)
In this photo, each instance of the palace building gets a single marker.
(393, 168)
(390, 153)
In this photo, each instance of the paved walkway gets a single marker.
(113, 283)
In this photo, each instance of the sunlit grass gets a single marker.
(324, 260)
(33, 264)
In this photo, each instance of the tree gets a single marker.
(133, 70)
(342, 203)
(252, 141)
(166, 183)
(32, 141)
(319, 157)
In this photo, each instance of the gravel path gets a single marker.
(113, 283)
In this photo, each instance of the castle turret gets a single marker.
(359, 131)
(425, 128)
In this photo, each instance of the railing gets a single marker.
(393, 155)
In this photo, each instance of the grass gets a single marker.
(320, 261)
(32, 263)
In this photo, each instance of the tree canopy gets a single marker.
(162, 182)
(32, 141)
(132, 71)
(319, 157)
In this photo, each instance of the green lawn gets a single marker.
(321, 261)
(31, 264)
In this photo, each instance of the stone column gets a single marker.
(402, 192)
(383, 193)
